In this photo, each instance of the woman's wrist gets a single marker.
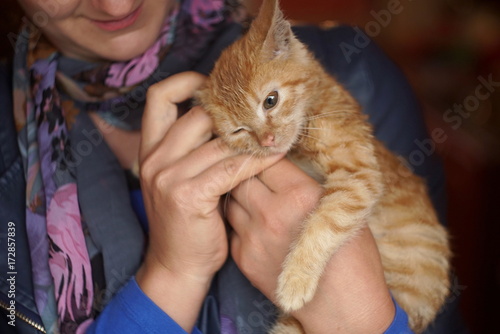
(178, 294)
(352, 296)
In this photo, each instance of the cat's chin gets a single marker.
(261, 151)
(266, 151)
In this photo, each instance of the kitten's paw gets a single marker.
(295, 289)
(287, 325)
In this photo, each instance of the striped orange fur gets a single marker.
(321, 127)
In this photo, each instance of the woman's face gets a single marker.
(99, 29)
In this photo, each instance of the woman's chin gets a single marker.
(112, 50)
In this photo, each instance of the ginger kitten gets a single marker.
(268, 94)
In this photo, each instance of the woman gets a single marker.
(82, 265)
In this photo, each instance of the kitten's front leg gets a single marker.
(349, 198)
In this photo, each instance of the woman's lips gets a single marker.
(113, 25)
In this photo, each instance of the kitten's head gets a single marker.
(255, 93)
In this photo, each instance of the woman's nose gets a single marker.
(114, 8)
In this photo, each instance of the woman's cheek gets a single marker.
(42, 12)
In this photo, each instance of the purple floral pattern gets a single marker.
(68, 259)
(53, 218)
(207, 13)
(126, 74)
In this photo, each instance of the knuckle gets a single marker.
(230, 167)
(200, 115)
(154, 91)
(197, 110)
(161, 180)
(156, 179)
(210, 190)
(157, 96)
(196, 113)
(147, 169)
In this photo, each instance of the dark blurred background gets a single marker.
(446, 48)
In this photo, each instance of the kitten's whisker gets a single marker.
(226, 200)
(304, 129)
(310, 128)
(239, 171)
(312, 137)
(337, 111)
(251, 177)
(331, 114)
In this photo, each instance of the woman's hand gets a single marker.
(183, 175)
(266, 214)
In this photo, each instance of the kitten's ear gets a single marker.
(275, 28)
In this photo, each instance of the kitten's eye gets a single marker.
(271, 100)
(239, 129)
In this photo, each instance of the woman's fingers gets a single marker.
(161, 111)
(284, 185)
(159, 115)
(188, 133)
(234, 212)
(249, 195)
(228, 173)
(202, 157)
(274, 180)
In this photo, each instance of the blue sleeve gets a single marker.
(132, 312)
(400, 323)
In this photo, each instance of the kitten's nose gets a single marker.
(267, 140)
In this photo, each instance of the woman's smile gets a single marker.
(125, 22)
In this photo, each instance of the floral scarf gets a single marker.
(68, 175)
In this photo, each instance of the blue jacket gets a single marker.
(347, 54)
